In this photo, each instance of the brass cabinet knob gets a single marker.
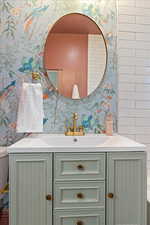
(79, 222)
(110, 195)
(49, 197)
(80, 195)
(80, 167)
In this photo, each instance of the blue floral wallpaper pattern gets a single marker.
(24, 26)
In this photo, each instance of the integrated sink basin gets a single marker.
(75, 141)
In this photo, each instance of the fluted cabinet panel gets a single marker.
(31, 177)
(127, 181)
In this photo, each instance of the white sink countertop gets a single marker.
(87, 143)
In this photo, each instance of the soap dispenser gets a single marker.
(109, 124)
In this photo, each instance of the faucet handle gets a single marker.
(81, 128)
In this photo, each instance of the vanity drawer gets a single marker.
(79, 217)
(79, 194)
(79, 166)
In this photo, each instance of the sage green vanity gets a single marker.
(70, 185)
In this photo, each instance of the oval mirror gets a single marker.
(75, 56)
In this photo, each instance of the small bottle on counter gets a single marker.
(109, 124)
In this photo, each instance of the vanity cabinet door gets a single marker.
(30, 189)
(126, 188)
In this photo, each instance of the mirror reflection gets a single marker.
(75, 56)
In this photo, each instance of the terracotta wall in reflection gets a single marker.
(69, 54)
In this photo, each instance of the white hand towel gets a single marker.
(75, 92)
(30, 110)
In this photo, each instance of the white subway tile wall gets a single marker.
(134, 70)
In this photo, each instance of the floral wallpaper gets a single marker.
(24, 26)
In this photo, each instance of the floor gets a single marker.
(4, 210)
(4, 217)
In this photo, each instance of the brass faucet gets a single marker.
(75, 130)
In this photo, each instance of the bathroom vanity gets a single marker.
(89, 180)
